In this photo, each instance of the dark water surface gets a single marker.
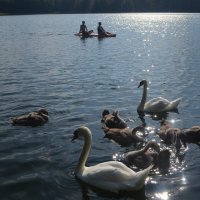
(42, 64)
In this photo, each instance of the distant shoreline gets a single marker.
(7, 14)
(22, 7)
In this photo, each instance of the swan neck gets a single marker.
(85, 152)
(144, 98)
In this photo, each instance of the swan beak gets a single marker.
(140, 85)
(76, 134)
(75, 137)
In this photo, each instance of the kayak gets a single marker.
(95, 35)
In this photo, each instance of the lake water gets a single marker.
(42, 64)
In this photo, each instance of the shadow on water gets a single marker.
(86, 189)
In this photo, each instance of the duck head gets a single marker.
(43, 111)
(113, 120)
(44, 114)
(153, 145)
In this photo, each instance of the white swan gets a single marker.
(112, 176)
(155, 105)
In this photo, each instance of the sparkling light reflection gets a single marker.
(162, 196)
(184, 180)
(154, 17)
(150, 129)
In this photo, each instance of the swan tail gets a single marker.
(174, 104)
(143, 175)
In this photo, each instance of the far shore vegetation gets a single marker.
(15, 7)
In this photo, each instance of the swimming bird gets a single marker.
(155, 105)
(144, 158)
(124, 136)
(113, 120)
(170, 135)
(112, 176)
(190, 135)
(32, 119)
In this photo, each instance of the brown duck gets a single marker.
(190, 135)
(124, 136)
(32, 119)
(170, 135)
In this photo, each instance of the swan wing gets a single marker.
(114, 176)
(158, 104)
(174, 104)
(108, 171)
